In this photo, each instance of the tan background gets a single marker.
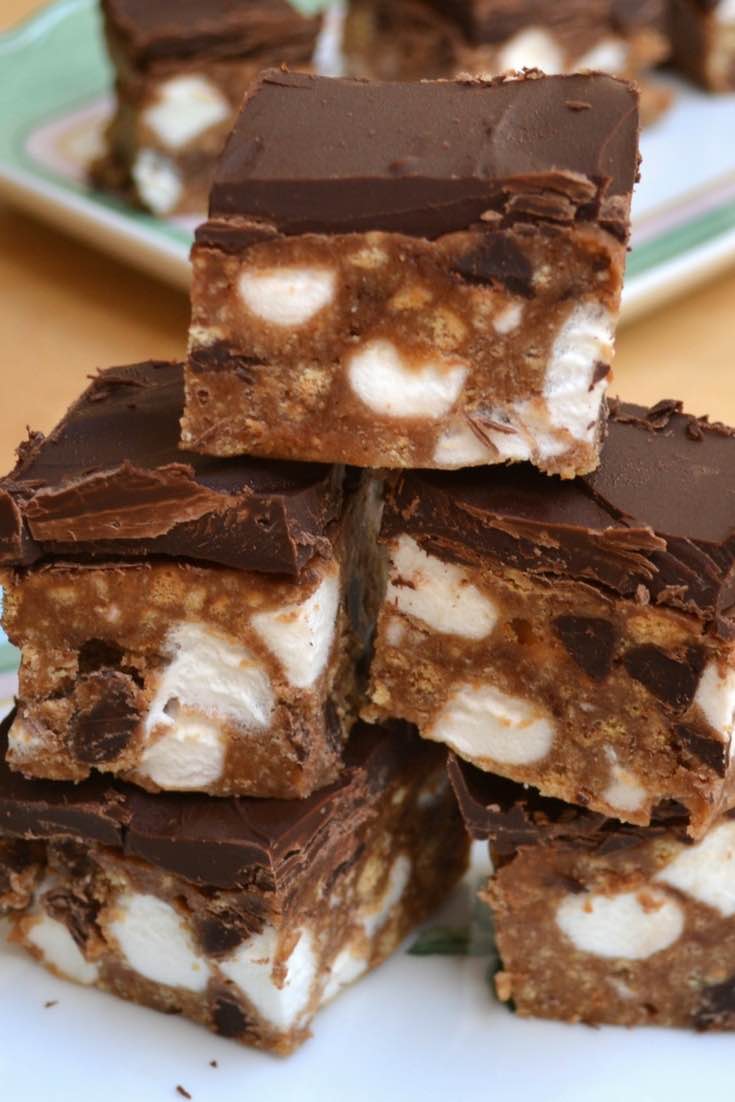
(66, 310)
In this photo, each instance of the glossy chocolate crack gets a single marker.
(110, 481)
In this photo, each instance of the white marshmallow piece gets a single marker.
(59, 951)
(185, 107)
(346, 968)
(630, 925)
(157, 181)
(706, 871)
(287, 297)
(155, 942)
(724, 12)
(508, 319)
(585, 339)
(398, 878)
(208, 681)
(191, 755)
(250, 967)
(480, 721)
(610, 55)
(24, 741)
(715, 698)
(458, 446)
(625, 792)
(437, 593)
(300, 636)
(384, 382)
(532, 48)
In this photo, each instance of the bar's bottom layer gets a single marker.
(251, 964)
(640, 932)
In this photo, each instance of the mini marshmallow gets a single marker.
(438, 593)
(715, 697)
(185, 107)
(212, 677)
(250, 967)
(532, 48)
(610, 55)
(573, 398)
(384, 382)
(300, 636)
(706, 871)
(157, 181)
(458, 446)
(398, 878)
(59, 951)
(630, 925)
(347, 967)
(25, 741)
(288, 297)
(480, 721)
(189, 756)
(154, 940)
(508, 319)
(624, 793)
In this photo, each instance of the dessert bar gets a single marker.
(398, 275)
(575, 636)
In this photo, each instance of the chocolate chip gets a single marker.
(498, 260)
(106, 716)
(228, 1018)
(590, 641)
(712, 752)
(717, 1008)
(217, 936)
(78, 914)
(670, 680)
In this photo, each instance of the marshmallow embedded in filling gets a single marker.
(346, 968)
(632, 925)
(398, 878)
(715, 698)
(300, 635)
(391, 387)
(282, 1002)
(532, 48)
(481, 722)
(154, 940)
(706, 871)
(438, 593)
(58, 949)
(287, 297)
(157, 181)
(572, 396)
(185, 107)
(207, 681)
(610, 55)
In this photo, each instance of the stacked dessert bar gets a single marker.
(195, 831)
(181, 69)
(424, 278)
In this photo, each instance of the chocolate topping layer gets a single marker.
(110, 481)
(152, 30)
(512, 815)
(656, 521)
(218, 843)
(314, 155)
